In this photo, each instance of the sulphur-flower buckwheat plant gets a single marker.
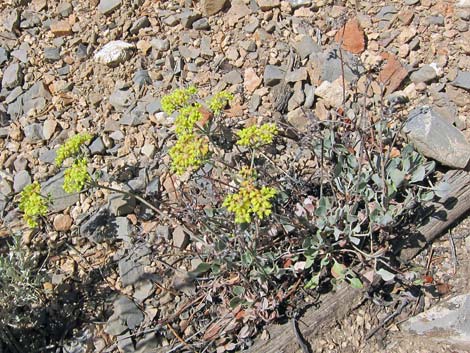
(177, 99)
(219, 101)
(256, 136)
(33, 204)
(250, 200)
(190, 151)
(188, 117)
(71, 147)
(77, 176)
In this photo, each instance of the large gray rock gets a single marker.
(273, 75)
(107, 7)
(3, 55)
(425, 74)
(462, 80)
(436, 138)
(130, 271)
(446, 322)
(36, 98)
(211, 7)
(13, 76)
(22, 178)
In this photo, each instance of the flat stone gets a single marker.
(462, 80)
(171, 21)
(48, 128)
(121, 99)
(463, 3)
(11, 22)
(148, 150)
(106, 7)
(36, 98)
(99, 227)
(130, 271)
(180, 238)
(448, 321)
(120, 204)
(332, 68)
(233, 77)
(62, 222)
(33, 132)
(436, 138)
(251, 80)
(4, 55)
(97, 146)
(114, 53)
(61, 28)
(295, 4)
(160, 44)
(12, 76)
(297, 75)
(211, 7)
(267, 5)
(331, 92)
(309, 92)
(425, 74)
(65, 8)
(297, 98)
(299, 120)
(393, 73)
(188, 17)
(189, 52)
(306, 46)
(352, 37)
(141, 22)
(61, 199)
(115, 326)
(21, 55)
(52, 54)
(201, 24)
(21, 179)
(272, 75)
(127, 311)
(135, 117)
(143, 289)
(123, 229)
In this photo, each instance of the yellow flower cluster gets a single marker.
(33, 204)
(250, 200)
(219, 101)
(256, 136)
(187, 118)
(177, 99)
(76, 176)
(71, 147)
(189, 151)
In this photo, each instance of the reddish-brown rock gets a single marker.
(392, 74)
(352, 37)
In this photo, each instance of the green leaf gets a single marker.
(201, 268)
(442, 190)
(397, 176)
(418, 175)
(247, 259)
(427, 196)
(313, 282)
(338, 270)
(235, 301)
(238, 291)
(356, 283)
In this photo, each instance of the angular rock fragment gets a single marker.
(436, 138)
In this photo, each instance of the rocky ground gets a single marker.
(103, 65)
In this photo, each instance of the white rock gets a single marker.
(464, 3)
(331, 92)
(114, 53)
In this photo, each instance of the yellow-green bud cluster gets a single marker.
(177, 99)
(71, 147)
(189, 151)
(219, 101)
(33, 204)
(76, 176)
(188, 116)
(256, 136)
(250, 200)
